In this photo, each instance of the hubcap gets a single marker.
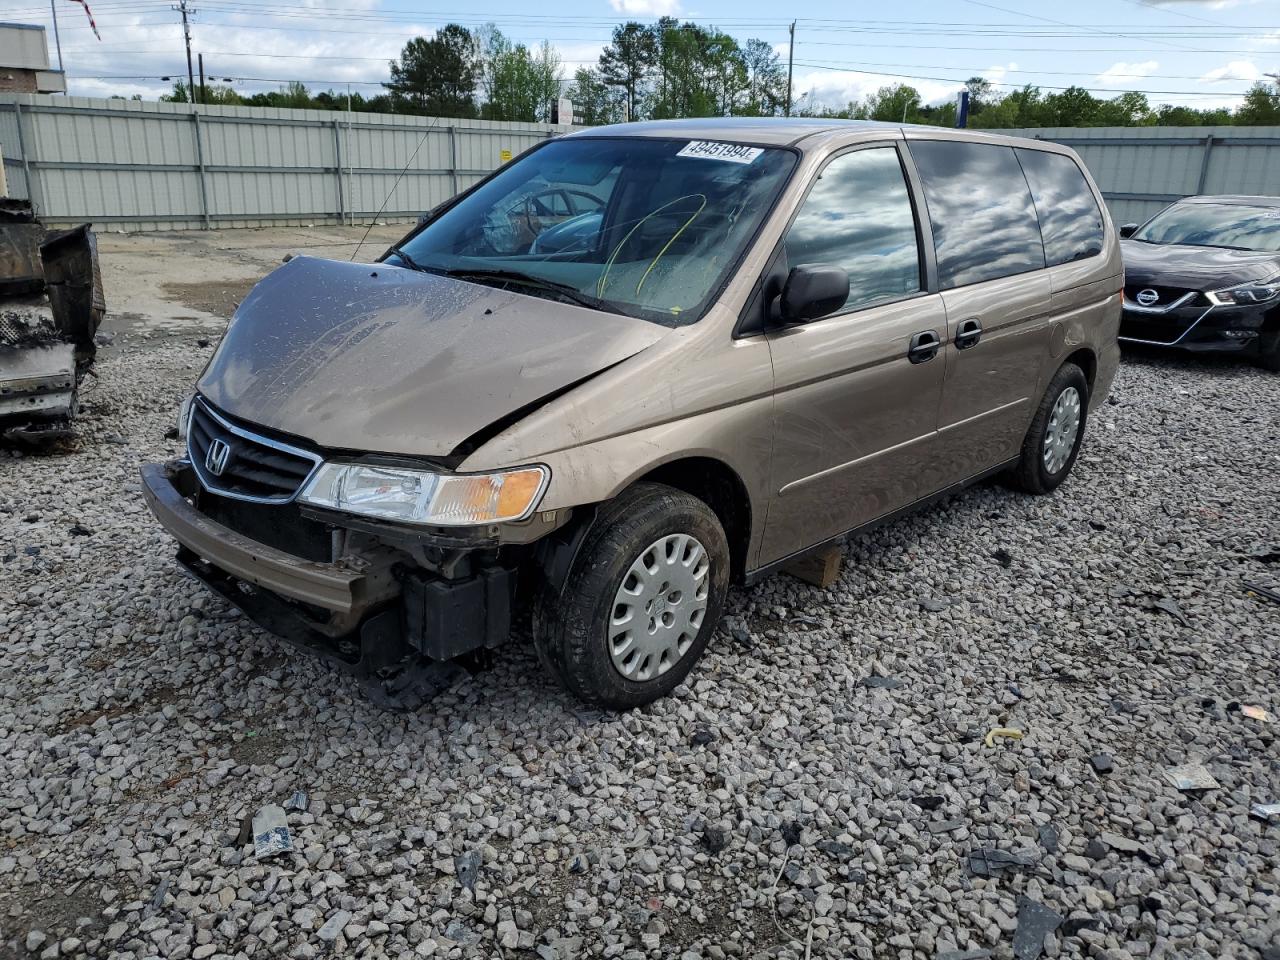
(1064, 427)
(659, 607)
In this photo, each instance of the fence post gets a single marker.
(1204, 163)
(453, 161)
(28, 175)
(204, 187)
(337, 172)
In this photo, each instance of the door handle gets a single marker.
(924, 346)
(969, 333)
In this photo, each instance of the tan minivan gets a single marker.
(632, 366)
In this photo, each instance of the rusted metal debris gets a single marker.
(51, 305)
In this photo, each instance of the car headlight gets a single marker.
(184, 416)
(433, 499)
(1245, 294)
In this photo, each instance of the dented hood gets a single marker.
(384, 359)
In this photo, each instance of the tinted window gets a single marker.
(858, 216)
(1070, 221)
(984, 223)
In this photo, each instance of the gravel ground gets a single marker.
(777, 805)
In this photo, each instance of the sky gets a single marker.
(1203, 53)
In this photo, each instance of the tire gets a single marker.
(1032, 474)
(572, 631)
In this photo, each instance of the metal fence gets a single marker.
(163, 166)
(156, 166)
(1142, 169)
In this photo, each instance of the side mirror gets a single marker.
(811, 291)
(1128, 230)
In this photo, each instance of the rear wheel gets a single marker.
(642, 599)
(1057, 429)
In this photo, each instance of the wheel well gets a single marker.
(719, 487)
(1086, 361)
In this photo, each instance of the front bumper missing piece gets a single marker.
(401, 639)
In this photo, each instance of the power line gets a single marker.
(1033, 16)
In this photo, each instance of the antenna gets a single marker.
(399, 176)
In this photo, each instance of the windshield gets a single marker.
(1235, 225)
(648, 228)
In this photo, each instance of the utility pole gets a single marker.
(57, 39)
(791, 55)
(202, 93)
(183, 9)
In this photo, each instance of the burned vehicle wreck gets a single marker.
(632, 366)
(51, 305)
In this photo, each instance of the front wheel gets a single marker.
(642, 599)
(1053, 439)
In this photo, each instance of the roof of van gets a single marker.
(782, 131)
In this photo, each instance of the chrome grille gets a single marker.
(242, 464)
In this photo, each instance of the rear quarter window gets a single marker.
(984, 220)
(1070, 221)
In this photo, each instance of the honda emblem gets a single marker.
(215, 461)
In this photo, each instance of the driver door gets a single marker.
(856, 409)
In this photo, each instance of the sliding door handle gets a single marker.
(969, 333)
(924, 346)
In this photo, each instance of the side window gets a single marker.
(1070, 221)
(858, 216)
(984, 222)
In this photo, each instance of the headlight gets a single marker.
(421, 496)
(184, 416)
(1245, 294)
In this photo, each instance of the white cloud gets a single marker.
(138, 49)
(1124, 74)
(1237, 71)
(647, 8)
(838, 88)
(997, 73)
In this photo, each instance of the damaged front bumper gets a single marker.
(368, 608)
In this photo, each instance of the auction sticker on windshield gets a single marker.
(710, 150)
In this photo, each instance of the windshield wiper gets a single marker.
(408, 260)
(563, 290)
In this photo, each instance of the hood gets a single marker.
(1193, 268)
(378, 358)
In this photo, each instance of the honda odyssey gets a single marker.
(635, 365)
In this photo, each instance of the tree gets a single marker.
(982, 96)
(766, 91)
(594, 101)
(1127, 110)
(438, 76)
(1168, 115)
(628, 62)
(1073, 107)
(897, 103)
(179, 94)
(518, 85)
(1261, 106)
